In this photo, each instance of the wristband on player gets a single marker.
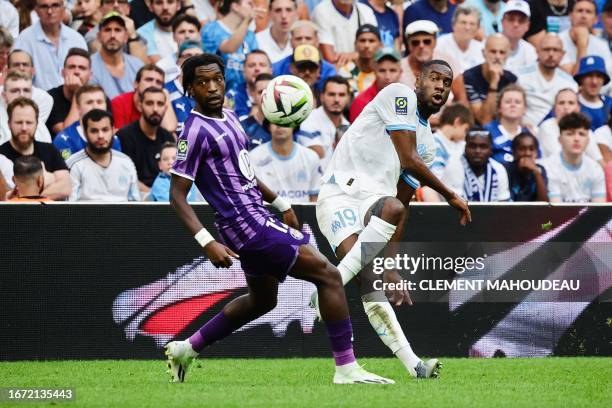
(280, 204)
(203, 237)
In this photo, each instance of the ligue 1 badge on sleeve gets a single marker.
(295, 233)
(401, 105)
(182, 147)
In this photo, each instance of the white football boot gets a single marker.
(355, 374)
(428, 369)
(180, 356)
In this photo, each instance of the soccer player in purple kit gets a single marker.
(212, 152)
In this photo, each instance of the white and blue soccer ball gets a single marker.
(287, 101)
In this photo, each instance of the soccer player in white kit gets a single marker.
(368, 184)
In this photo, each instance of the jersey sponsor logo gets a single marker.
(182, 147)
(401, 105)
(244, 163)
(249, 185)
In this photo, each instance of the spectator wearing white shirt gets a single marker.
(48, 42)
(99, 173)
(6, 176)
(9, 18)
(338, 21)
(603, 138)
(542, 81)
(158, 32)
(578, 41)
(572, 176)
(288, 168)
(185, 27)
(318, 131)
(515, 23)
(461, 42)
(275, 40)
(6, 43)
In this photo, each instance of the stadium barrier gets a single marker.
(92, 281)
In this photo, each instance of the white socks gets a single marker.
(377, 230)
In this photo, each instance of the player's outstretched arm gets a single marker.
(281, 205)
(406, 147)
(219, 254)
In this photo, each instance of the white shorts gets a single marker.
(340, 215)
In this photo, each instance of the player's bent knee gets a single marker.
(393, 210)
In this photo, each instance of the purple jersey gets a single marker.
(213, 153)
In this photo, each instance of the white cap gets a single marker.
(421, 26)
(518, 5)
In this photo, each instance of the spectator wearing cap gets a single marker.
(135, 44)
(462, 41)
(547, 16)
(491, 13)
(303, 32)
(360, 73)
(578, 41)
(158, 32)
(184, 27)
(338, 21)
(307, 64)
(591, 77)
(112, 68)
(388, 23)
(421, 46)
(388, 70)
(515, 24)
(544, 79)
(606, 19)
(438, 11)
(48, 42)
(274, 40)
(483, 82)
(182, 104)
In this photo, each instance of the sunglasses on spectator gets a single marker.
(52, 7)
(425, 41)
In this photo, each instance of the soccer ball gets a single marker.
(287, 101)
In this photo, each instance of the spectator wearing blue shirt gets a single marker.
(388, 23)
(182, 104)
(253, 124)
(160, 190)
(72, 139)
(591, 77)
(491, 14)
(241, 99)
(113, 69)
(231, 38)
(48, 42)
(438, 11)
(304, 32)
(158, 32)
(511, 108)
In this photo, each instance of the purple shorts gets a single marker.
(272, 251)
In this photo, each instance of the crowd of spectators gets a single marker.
(92, 97)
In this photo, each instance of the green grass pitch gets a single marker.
(543, 382)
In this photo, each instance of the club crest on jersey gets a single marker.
(182, 147)
(296, 234)
(401, 105)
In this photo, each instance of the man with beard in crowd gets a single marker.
(158, 32)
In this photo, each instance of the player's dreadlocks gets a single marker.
(191, 63)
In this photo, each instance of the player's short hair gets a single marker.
(26, 167)
(15, 51)
(164, 146)
(465, 10)
(574, 120)
(524, 135)
(86, 89)
(152, 89)
(478, 131)
(149, 67)
(185, 18)
(264, 76)
(15, 75)
(191, 63)
(336, 79)
(427, 66)
(74, 51)
(454, 111)
(511, 88)
(6, 39)
(96, 115)
(258, 52)
(21, 102)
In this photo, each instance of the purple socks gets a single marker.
(340, 333)
(215, 329)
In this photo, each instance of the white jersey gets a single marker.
(319, 130)
(365, 162)
(6, 170)
(603, 136)
(271, 47)
(294, 178)
(571, 184)
(91, 182)
(540, 92)
(468, 58)
(524, 56)
(447, 165)
(548, 136)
